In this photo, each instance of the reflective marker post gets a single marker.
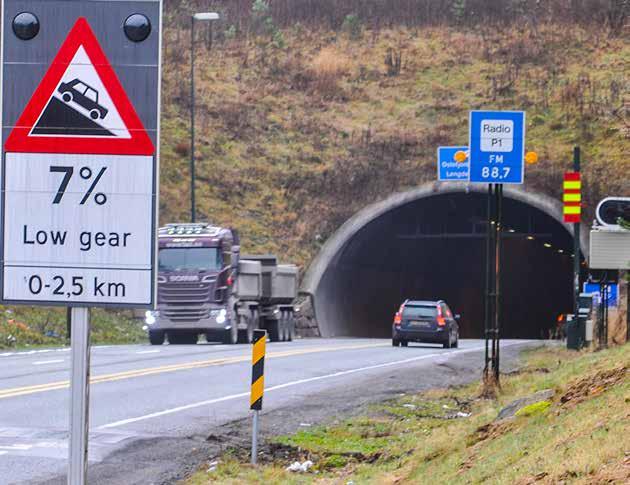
(258, 385)
(79, 396)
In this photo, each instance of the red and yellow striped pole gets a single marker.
(572, 197)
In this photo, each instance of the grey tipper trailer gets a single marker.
(206, 287)
(265, 293)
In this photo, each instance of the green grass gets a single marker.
(576, 437)
(36, 327)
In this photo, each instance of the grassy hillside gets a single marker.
(454, 436)
(298, 128)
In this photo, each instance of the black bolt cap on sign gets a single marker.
(25, 25)
(137, 27)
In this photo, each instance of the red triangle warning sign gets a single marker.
(80, 106)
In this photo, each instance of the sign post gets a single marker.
(80, 127)
(497, 156)
(258, 385)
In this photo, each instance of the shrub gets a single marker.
(328, 67)
(352, 26)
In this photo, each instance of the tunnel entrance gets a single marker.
(433, 247)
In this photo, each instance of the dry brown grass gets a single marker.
(327, 68)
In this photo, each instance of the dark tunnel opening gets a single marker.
(434, 248)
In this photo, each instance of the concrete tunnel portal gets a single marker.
(429, 243)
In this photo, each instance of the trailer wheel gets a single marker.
(156, 337)
(291, 325)
(284, 327)
(246, 335)
(273, 330)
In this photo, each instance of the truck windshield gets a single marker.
(189, 259)
(419, 311)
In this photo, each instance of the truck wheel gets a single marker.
(246, 335)
(156, 337)
(273, 330)
(230, 337)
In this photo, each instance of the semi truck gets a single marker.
(206, 287)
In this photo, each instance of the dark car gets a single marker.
(84, 95)
(425, 321)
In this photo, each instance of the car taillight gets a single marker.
(397, 319)
(441, 321)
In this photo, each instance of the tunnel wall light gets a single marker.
(531, 238)
(547, 245)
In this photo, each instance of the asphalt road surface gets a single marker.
(154, 408)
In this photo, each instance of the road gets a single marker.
(147, 402)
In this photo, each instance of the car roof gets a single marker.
(423, 302)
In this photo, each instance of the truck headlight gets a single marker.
(149, 317)
(221, 317)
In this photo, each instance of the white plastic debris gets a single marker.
(306, 425)
(298, 467)
(212, 466)
(462, 415)
(410, 406)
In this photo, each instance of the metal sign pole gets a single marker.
(79, 396)
(497, 276)
(576, 257)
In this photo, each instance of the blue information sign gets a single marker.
(613, 291)
(448, 168)
(497, 147)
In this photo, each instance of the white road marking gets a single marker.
(16, 447)
(44, 362)
(293, 383)
(3, 453)
(46, 351)
(148, 352)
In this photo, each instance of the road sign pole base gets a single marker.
(255, 438)
(79, 396)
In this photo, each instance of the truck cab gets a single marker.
(196, 266)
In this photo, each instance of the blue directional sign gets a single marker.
(497, 147)
(448, 168)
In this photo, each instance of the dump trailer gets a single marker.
(206, 287)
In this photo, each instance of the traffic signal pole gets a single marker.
(576, 255)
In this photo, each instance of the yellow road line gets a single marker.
(53, 386)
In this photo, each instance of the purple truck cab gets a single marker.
(195, 271)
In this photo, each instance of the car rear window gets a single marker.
(424, 311)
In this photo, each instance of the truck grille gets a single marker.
(185, 293)
(186, 314)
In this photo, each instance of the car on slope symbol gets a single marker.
(84, 95)
(425, 321)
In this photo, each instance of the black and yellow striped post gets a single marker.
(258, 384)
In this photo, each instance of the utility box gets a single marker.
(609, 249)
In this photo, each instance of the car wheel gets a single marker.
(395, 343)
(447, 344)
(456, 343)
(156, 337)
(67, 97)
(94, 114)
(404, 343)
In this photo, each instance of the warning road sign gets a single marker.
(79, 168)
(81, 100)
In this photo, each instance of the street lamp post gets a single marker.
(209, 16)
